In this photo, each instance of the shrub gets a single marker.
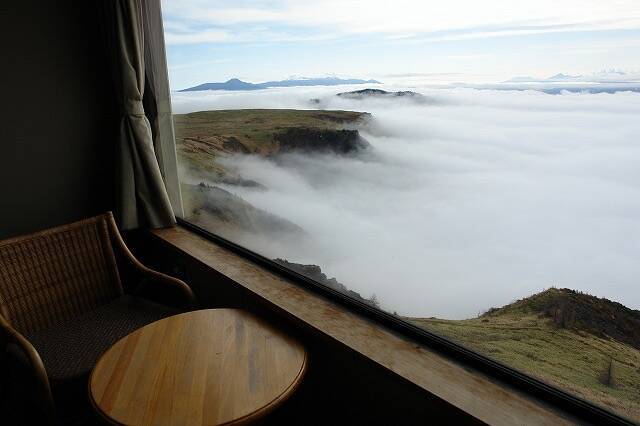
(607, 376)
(564, 316)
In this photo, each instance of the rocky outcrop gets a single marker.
(378, 93)
(233, 144)
(313, 140)
(315, 273)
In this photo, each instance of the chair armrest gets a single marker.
(171, 287)
(16, 345)
(159, 287)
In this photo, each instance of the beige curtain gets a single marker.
(157, 100)
(142, 199)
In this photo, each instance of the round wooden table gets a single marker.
(209, 367)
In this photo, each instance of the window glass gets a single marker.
(470, 167)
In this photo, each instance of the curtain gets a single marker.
(141, 195)
(157, 100)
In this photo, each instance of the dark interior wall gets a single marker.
(58, 115)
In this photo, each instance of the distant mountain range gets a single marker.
(236, 84)
(554, 78)
(606, 76)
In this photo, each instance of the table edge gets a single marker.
(254, 415)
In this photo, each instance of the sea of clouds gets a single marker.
(470, 200)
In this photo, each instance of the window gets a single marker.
(468, 168)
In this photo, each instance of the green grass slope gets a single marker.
(568, 339)
(206, 137)
(203, 136)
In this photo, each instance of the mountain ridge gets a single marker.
(581, 312)
(363, 93)
(235, 84)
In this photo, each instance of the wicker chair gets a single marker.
(62, 304)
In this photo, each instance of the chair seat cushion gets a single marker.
(70, 350)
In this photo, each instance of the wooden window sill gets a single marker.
(477, 394)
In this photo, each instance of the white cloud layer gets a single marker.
(403, 18)
(471, 202)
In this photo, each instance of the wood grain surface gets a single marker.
(209, 367)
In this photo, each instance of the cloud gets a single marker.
(195, 37)
(489, 32)
(479, 199)
(409, 19)
(198, 64)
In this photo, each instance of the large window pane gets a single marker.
(470, 168)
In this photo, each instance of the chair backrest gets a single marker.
(58, 274)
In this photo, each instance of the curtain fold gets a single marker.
(157, 100)
(142, 199)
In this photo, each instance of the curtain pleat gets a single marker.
(157, 99)
(142, 199)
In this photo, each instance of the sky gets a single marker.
(453, 40)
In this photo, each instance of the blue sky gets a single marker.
(470, 40)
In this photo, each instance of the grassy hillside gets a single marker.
(215, 208)
(565, 338)
(203, 136)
